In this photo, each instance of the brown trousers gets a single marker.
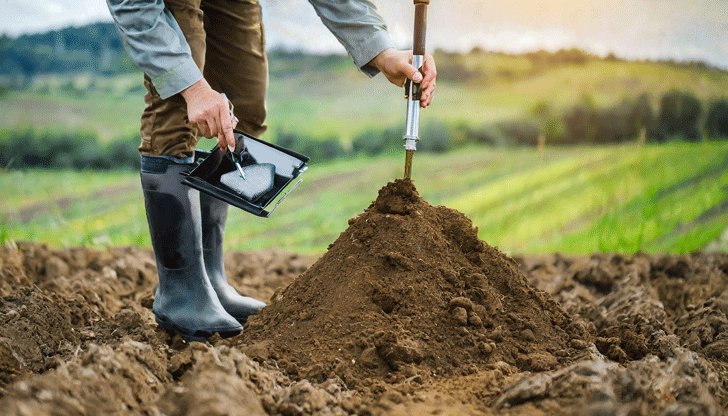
(227, 42)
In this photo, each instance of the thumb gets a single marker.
(413, 73)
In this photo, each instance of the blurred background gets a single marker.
(569, 126)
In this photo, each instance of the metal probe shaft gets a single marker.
(414, 90)
(412, 124)
(408, 164)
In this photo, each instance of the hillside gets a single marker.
(320, 97)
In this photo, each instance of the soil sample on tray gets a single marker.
(409, 289)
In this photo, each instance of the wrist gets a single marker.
(195, 89)
(379, 61)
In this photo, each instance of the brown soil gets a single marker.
(409, 289)
(407, 313)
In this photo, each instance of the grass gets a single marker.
(671, 198)
(633, 199)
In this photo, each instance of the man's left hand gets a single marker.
(397, 67)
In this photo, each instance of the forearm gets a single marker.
(156, 44)
(358, 27)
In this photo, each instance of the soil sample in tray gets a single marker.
(410, 290)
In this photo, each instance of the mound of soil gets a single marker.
(408, 290)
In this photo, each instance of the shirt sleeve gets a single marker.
(358, 27)
(156, 43)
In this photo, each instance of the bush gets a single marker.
(586, 124)
(376, 142)
(519, 132)
(370, 142)
(318, 150)
(124, 153)
(486, 134)
(642, 114)
(457, 71)
(554, 130)
(328, 149)
(287, 140)
(679, 116)
(716, 124)
(435, 137)
(64, 150)
(89, 155)
(614, 125)
(580, 123)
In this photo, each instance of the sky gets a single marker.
(634, 29)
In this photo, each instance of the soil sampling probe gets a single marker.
(413, 90)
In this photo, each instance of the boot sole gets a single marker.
(198, 335)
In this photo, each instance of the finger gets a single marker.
(220, 134)
(429, 70)
(226, 128)
(212, 123)
(203, 129)
(427, 101)
(427, 95)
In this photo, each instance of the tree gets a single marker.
(716, 124)
(679, 116)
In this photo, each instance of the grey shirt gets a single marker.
(156, 43)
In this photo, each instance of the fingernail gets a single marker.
(417, 77)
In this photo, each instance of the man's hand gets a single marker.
(210, 111)
(397, 67)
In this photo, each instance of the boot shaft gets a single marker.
(185, 301)
(214, 214)
(172, 213)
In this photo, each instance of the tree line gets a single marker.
(94, 48)
(680, 116)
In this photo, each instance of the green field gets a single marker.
(670, 198)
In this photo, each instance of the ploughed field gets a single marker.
(407, 313)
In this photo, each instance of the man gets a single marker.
(197, 54)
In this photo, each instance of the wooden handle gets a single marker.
(418, 47)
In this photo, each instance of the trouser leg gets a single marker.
(166, 129)
(236, 62)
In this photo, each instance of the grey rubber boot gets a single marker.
(185, 300)
(214, 216)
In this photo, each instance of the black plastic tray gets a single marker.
(289, 166)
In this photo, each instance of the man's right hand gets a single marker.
(210, 111)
